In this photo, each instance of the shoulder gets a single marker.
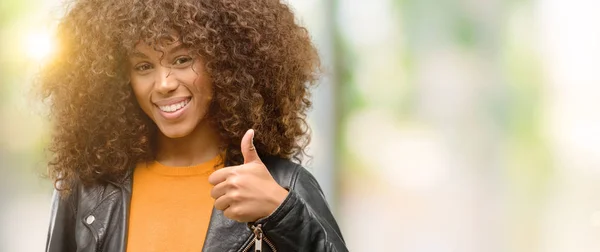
(288, 173)
(84, 198)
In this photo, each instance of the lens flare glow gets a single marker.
(39, 45)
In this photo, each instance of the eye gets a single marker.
(182, 61)
(143, 67)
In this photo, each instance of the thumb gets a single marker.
(248, 149)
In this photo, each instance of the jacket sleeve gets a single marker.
(303, 222)
(61, 233)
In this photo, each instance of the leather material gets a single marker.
(94, 218)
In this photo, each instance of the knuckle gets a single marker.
(219, 206)
(233, 182)
(235, 196)
(236, 213)
(229, 213)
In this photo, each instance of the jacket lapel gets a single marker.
(225, 235)
(103, 211)
(126, 194)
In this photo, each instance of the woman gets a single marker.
(163, 109)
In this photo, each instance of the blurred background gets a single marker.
(439, 125)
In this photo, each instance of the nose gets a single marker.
(164, 81)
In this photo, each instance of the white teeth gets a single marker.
(174, 107)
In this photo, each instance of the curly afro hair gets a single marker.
(262, 65)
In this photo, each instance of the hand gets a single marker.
(247, 192)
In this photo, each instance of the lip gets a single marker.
(172, 115)
(171, 101)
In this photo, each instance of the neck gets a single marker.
(200, 146)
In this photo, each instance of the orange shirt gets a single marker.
(170, 207)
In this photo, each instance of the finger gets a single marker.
(220, 175)
(222, 203)
(248, 148)
(219, 190)
(234, 213)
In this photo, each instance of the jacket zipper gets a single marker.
(259, 237)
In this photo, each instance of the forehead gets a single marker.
(145, 49)
(158, 43)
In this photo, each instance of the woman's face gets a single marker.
(172, 87)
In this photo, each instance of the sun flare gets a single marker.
(39, 45)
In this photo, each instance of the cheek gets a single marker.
(142, 94)
(202, 81)
(136, 91)
(201, 86)
(205, 89)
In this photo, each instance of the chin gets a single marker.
(174, 132)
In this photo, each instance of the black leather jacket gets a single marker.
(94, 219)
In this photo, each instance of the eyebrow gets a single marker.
(138, 54)
(174, 49)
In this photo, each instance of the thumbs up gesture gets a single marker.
(246, 192)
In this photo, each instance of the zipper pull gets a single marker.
(258, 237)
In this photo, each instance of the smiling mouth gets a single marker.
(171, 108)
